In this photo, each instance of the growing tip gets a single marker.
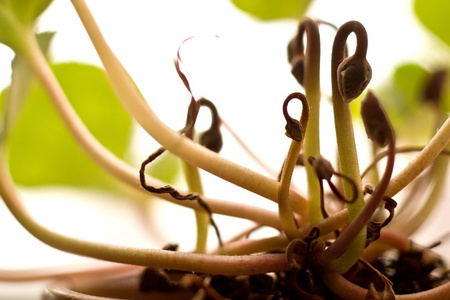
(376, 122)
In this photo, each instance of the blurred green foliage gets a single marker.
(435, 16)
(403, 95)
(42, 149)
(270, 9)
(17, 18)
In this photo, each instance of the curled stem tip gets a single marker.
(179, 62)
(351, 74)
(298, 57)
(295, 129)
(212, 137)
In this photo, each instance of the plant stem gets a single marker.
(328, 257)
(80, 132)
(247, 149)
(348, 159)
(439, 180)
(437, 177)
(287, 219)
(171, 140)
(194, 183)
(436, 145)
(311, 83)
(398, 150)
(295, 130)
(343, 287)
(89, 269)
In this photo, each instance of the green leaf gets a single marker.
(21, 81)
(403, 99)
(17, 18)
(27, 11)
(270, 9)
(410, 81)
(42, 149)
(434, 15)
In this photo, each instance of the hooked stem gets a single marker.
(311, 83)
(295, 131)
(348, 158)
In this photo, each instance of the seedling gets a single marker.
(317, 253)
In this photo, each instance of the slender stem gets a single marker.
(439, 180)
(311, 83)
(213, 141)
(343, 287)
(328, 257)
(171, 140)
(249, 151)
(343, 121)
(256, 214)
(101, 155)
(194, 183)
(436, 175)
(436, 145)
(398, 150)
(90, 270)
(287, 219)
(348, 158)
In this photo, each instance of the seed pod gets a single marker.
(292, 49)
(375, 120)
(323, 167)
(354, 74)
(296, 129)
(434, 87)
(298, 68)
(296, 57)
(212, 139)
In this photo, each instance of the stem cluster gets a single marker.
(306, 244)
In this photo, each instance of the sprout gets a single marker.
(354, 74)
